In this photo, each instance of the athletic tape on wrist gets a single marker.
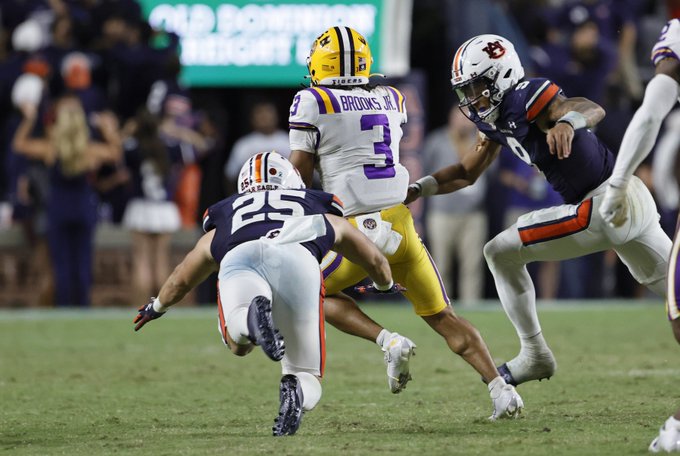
(428, 185)
(573, 118)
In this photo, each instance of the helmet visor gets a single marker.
(473, 91)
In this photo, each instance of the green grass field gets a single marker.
(84, 383)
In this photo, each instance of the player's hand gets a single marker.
(146, 314)
(412, 194)
(363, 289)
(614, 206)
(506, 402)
(559, 140)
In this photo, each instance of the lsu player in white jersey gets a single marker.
(661, 95)
(349, 130)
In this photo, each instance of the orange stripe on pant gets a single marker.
(220, 312)
(322, 328)
(556, 229)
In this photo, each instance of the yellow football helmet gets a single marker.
(340, 56)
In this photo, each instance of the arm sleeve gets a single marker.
(303, 122)
(660, 97)
(663, 166)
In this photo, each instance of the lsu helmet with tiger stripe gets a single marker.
(268, 171)
(340, 56)
(485, 66)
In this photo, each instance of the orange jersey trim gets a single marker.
(541, 102)
(556, 229)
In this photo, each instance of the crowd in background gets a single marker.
(97, 128)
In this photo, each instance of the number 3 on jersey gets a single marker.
(379, 122)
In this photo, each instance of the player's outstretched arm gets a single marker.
(356, 247)
(460, 175)
(660, 97)
(194, 269)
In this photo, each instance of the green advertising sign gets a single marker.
(265, 43)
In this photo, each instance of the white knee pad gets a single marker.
(311, 390)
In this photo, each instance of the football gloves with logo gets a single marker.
(146, 314)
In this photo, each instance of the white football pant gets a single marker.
(289, 276)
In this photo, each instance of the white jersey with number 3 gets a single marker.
(355, 133)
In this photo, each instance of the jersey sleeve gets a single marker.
(303, 120)
(538, 94)
(208, 223)
(668, 44)
(400, 102)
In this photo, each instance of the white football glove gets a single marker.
(614, 206)
(507, 403)
(668, 439)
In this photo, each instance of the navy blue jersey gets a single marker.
(590, 162)
(249, 216)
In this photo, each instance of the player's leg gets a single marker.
(343, 313)
(426, 292)
(673, 296)
(245, 303)
(646, 250)
(298, 309)
(552, 234)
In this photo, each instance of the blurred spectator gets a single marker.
(177, 126)
(581, 66)
(456, 223)
(151, 215)
(72, 203)
(614, 21)
(28, 188)
(528, 190)
(266, 136)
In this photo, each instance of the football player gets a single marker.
(661, 95)
(533, 119)
(350, 129)
(266, 243)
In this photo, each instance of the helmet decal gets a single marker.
(494, 49)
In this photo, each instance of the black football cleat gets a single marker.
(262, 330)
(290, 410)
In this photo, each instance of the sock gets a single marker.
(383, 337)
(237, 325)
(672, 422)
(534, 345)
(311, 390)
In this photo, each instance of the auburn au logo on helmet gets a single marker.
(339, 56)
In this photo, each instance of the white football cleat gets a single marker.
(507, 403)
(523, 368)
(668, 439)
(398, 351)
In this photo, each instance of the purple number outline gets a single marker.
(368, 121)
(296, 103)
